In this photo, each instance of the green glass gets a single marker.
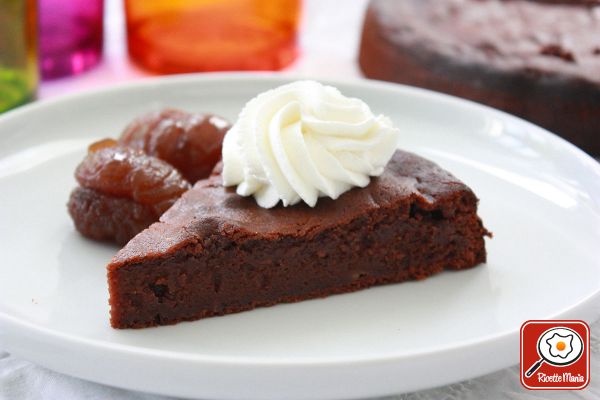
(18, 52)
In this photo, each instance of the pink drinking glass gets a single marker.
(70, 36)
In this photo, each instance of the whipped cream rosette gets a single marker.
(302, 141)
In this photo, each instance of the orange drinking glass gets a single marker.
(174, 36)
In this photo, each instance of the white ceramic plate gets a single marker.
(539, 195)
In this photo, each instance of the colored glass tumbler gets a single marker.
(176, 36)
(70, 36)
(18, 52)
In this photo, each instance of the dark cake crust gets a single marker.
(539, 60)
(215, 252)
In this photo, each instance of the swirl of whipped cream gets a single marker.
(302, 141)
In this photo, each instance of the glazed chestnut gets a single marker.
(122, 191)
(190, 142)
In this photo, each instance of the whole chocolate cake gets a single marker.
(539, 60)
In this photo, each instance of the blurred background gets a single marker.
(85, 44)
(537, 59)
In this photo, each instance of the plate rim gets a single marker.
(302, 362)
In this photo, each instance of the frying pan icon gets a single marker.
(558, 347)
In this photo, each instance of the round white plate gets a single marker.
(539, 195)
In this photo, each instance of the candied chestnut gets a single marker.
(190, 142)
(122, 192)
(124, 172)
(104, 217)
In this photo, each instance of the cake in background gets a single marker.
(539, 60)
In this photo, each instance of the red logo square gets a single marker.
(555, 354)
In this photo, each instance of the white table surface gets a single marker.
(329, 41)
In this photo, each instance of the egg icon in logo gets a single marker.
(560, 346)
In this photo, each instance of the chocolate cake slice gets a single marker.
(215, 252)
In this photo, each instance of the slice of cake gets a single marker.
(323, 204)
(215, 252)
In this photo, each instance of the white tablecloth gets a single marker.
(329, 41)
